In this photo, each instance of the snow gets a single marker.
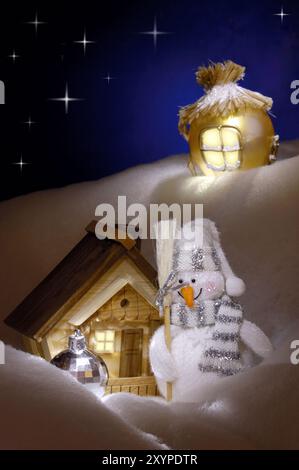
(253, 410)
(42, 407)
(256, 213)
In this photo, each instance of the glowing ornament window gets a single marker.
(104, 341)
(228, 128)
(221, 147)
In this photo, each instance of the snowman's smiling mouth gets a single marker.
(195, 298)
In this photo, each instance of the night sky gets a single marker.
(131, 118)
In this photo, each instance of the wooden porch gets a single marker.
(139, 385)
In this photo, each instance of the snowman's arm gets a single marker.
(255, 339)
(162, 362)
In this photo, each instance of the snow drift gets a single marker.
(256, 213)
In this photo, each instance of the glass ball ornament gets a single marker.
(242, 141)
(90, 370)
(229, 127)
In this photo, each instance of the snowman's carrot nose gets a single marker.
(188, 294)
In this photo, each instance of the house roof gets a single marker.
(71, 279)
(122, 274)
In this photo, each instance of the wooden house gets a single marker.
(107, 289)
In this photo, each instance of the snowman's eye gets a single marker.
(181, 281)
(193, 280)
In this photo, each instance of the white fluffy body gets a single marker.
(180, 366)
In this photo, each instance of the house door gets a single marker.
(131, 353)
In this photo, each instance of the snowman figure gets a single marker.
(210, 339)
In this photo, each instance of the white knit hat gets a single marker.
(197, 248)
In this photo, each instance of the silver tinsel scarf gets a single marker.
(221, 354)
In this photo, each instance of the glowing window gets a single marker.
(221, 148)
(104, 341)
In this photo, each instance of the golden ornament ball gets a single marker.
(229, 128)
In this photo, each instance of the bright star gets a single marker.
(108, 78)
(66, 99)
(21, 163)
(14, 56)
(36, 22)
(282, 14)
(84, 42)
(29, 122)
(155, 33)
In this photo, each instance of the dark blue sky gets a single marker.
(133, 119)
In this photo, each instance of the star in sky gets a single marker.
(29, 122)
(21, 163)
(108, 78)
(84, 42)
(66, 99)
(282, 14)
(155, 32)
(36, 22)
(14, 56)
